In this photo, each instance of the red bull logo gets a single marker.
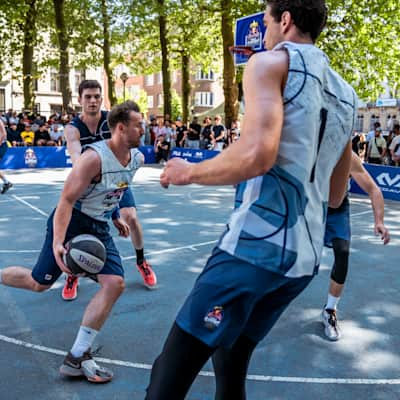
(30, 158)
(214, 317)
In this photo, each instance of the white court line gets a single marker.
(259, 378)
(190, 246)
(30, 205)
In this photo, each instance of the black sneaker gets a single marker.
(85, 366)
(6, 186)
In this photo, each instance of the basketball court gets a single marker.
(181, 225)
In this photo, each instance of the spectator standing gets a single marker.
(205, 134)
(57, 135)
(395, 145)
(377, 147)
(218, 135)
(193, 135)
(181, 133)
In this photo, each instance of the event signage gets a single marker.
(249, 31)
(387, 178)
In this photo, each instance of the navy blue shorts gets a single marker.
(3, 149)
(338, 223)
(46, 271)
(232, 298)
(127, 199)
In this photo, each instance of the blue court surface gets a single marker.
(181, 225)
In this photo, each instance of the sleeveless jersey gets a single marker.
(102, 130)
(279, 218)
(102, 198)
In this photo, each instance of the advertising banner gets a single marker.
(387, 178)
(193, 155)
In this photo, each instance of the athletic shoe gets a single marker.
(330, 322)
(6, 186)
(148, 275)
(70, 289)
(85, 366)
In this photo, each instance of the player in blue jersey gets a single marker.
(337, 236)
(3, 150)
(89, 127)
(98, 175)
(297, 124)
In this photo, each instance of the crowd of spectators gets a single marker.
(378, 147)
(166, 134)
(30, 129)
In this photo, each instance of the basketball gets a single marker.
(86, 254)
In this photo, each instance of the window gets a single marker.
(174, 77)
(54, 81)
(160, 99)
(150, 101)
(149, 80)
(79, 77)
(204, 99)
(159, 77)
(2, 100)
(359, 123)
(374, 118)
(134, 91)
(204, 76)
(55, 108)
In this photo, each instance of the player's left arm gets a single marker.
(85, 169)
(366, 183)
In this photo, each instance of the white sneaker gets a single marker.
(330, 322)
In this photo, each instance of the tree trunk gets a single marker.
(107, 54)
(186, 87)
(231, 107)
(27, 55)
(162, 22)
(62, 36)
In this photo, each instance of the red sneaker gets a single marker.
(70, 289)
(148, 275)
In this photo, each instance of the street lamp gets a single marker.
(124, 78)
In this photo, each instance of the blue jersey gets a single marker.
(278, 221)
(87, 137)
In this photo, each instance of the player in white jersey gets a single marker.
(297, 124)
(93, 189)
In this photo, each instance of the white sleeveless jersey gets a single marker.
(101, 199)
(279, 218)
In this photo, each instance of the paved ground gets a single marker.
(295, 362)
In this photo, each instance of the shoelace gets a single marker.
(70, 282)
(332, 319)
(144, 268)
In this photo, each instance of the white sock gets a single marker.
(84, 340)
(332, 302)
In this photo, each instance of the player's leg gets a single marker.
(175, 369)
(129, 214)
(79, 361)
(341, 250)
(231, 364)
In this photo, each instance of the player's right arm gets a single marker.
(73, 138)
(86, 168)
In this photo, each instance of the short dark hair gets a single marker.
(377, 124)
(308, 15)
(88, 84)
(121, 113)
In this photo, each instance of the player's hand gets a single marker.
(381, 230)
(122, 227)
(176, 172)
(59, 251)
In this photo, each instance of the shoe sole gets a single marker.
(77, 373)
(69, 298)
(151, 287)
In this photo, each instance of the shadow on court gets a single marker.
(181, 225)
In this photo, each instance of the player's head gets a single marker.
(90, 97)
(125, 119)
(283, 18)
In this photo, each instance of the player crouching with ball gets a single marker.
(90, 195)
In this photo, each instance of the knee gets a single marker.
(130, 217)
(39, 288)
(113, 284)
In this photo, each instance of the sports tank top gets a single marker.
(279, 218)
(86, 137)
(102, 198)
